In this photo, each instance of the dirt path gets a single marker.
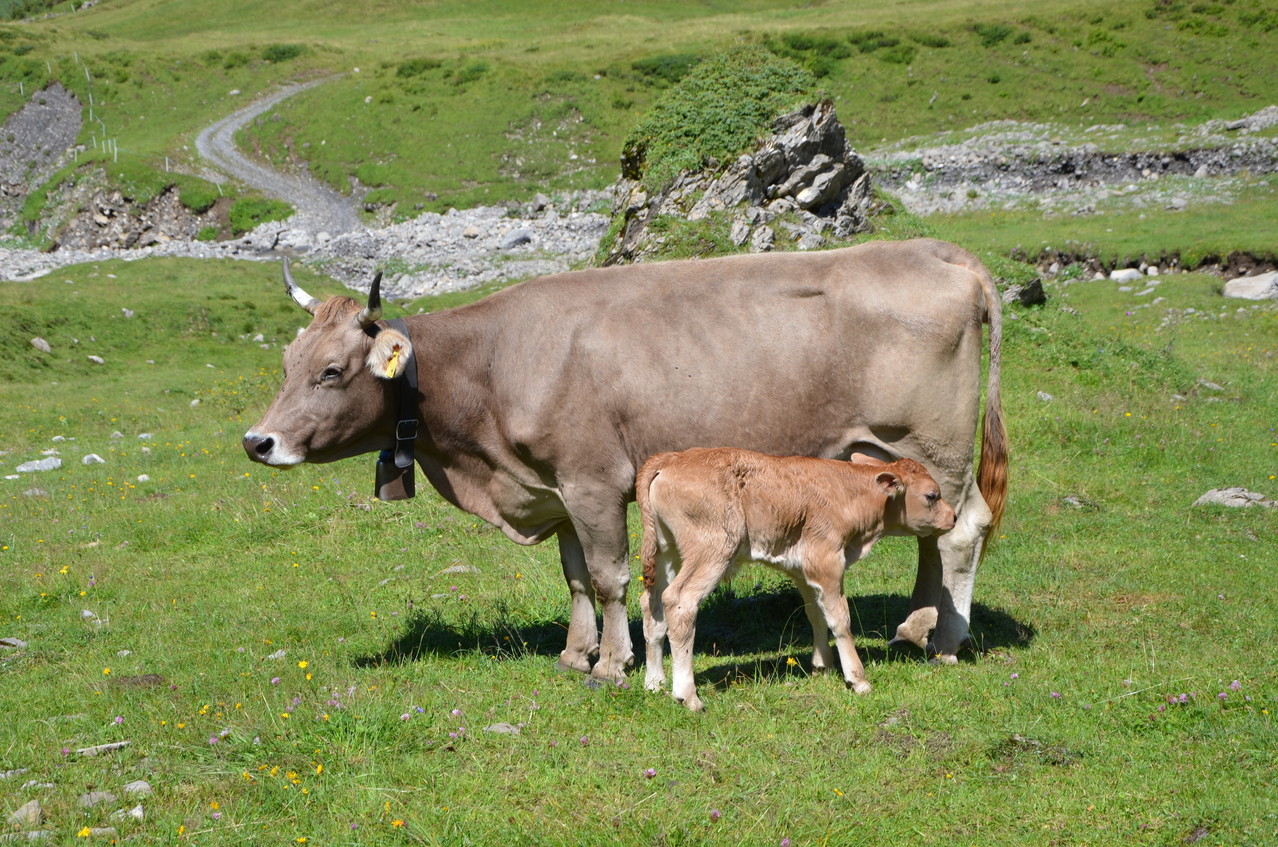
(319, 208)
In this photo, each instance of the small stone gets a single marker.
(12, 644)
(502, 728)
(97, 360)
(1045, 397)
(93, 459)
(517, 238)
(137, 813)
(13, 773)
(143, 478)
(128, 313)
(1234, 498)
(96, 798)
(86, 615)
(278, 654)
(461, 569)
(51, 463)
(29, 814)
(117, 435)
(41, 345)
(140, 788)
(1125, 275)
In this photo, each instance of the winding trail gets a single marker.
(319, 208)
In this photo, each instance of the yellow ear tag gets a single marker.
(393, 362)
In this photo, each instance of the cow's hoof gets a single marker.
(693, 703)
(603, 673)
(571, 662)
(942, 658)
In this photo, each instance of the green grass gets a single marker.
(452, 108)
(1205, 231)
(1104, 588)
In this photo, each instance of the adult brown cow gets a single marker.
(538, 404)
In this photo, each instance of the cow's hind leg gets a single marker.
(583, 634)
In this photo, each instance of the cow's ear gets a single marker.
(864, 459)
(889, 483)
(390, 355)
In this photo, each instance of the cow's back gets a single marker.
(783, 353)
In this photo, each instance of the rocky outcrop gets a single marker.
(33, 143)
(109, 219)
(803, 183)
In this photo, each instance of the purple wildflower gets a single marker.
(1235, 686)
(650, 773)
(1056, 695)
(715, 814)
(1224, 695)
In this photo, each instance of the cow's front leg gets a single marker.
(583, 634)
(599, 519)
(960, 551)
(925, 599)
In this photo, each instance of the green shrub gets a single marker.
(208, 233)
(277, 53)
(470, 73)
(991, 35)
(928, 39)
(871, 40)
(416, 67)
(236, 59)
(665, 70)
(248, 212)
(714, 113)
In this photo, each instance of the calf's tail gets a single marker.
(648, 520)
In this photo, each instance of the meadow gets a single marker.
(293, 661)
(284, 659)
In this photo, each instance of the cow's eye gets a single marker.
(330, 373)
(932, 497)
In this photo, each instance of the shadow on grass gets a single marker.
(764, 622)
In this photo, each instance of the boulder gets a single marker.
(1258, 287)
(806, 169)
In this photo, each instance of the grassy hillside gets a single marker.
(436, 105)
(290, 659)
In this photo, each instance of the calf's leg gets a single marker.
(822, 655)
(827, 583)
(654, 618)
(701, 571)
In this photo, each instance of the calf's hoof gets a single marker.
(693, 703)
(859, 686)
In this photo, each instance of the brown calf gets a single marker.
(707, 511)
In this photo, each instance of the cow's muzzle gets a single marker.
(266, 450)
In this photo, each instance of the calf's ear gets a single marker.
(390, 355)
(889, 483)
(864, 459)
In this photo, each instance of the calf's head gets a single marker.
(338, 397)
(914, 505)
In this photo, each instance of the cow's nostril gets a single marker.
(264, 446)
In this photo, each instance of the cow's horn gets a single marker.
(373, 312)
(299, 296)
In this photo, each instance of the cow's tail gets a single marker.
(991, 477)
(648, 520)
